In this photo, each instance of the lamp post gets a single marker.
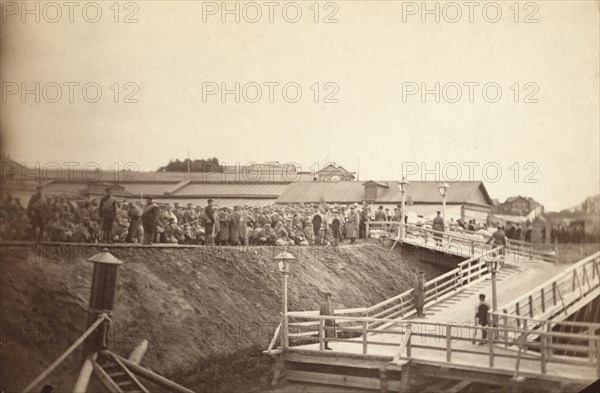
(102, 296)
(443, 189)
(403, 185)
(283, 259)
(494, 263)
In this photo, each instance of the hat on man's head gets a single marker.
(381, 207)
(210, 201)
(108, 189)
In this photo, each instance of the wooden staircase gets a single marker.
(115, 376)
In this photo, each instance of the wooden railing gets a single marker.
(521, 251)
(447, 339)
(454, 242)
(437, 289)
(387, 228)
(578, 283)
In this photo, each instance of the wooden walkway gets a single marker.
(458, 311)
(389, 337)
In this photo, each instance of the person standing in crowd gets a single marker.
(364, 218)
(498, 238)
(528, 233)
(336, 224)
(518, 232)
(150, 217)
(543, 234)
(37, 213)
(209, 222)
(481, 316)
(327, 309)
(352, 226)
(553, 234)
(380, 214)
(234, 226)
(419, 294)
(317, 220)
(440, 226)
(135, 233)
(108, 212)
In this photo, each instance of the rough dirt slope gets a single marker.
(207, 313)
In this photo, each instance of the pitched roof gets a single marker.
(231, 190)
(421, 192)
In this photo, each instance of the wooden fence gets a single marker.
(446, 340)
(564, 293)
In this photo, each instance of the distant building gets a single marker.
(520, 207)
(465, 200)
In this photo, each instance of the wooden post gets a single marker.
(472, 249)
(491, 344)
(364, 337)
(383, 380)
(321, 334)
(138, 352)
(597, 360)
(543, 300)
(409, 342)
(554, 292)
(448, 343)
(591, 343)
(461, 275)
(518, 312)
(85, 373)
(405, 378)
(543, 352)
(505, 325)
(531, 306)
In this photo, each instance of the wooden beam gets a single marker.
(138, 352)
(339, 380)
(152, 376)
(85, 373)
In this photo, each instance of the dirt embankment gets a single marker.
(207, 312)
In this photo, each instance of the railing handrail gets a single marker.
(433, 281)
(446, 233)
(564, 274)
(591, 325)
(341, 311)
(444, 325)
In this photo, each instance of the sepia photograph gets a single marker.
(307, 196)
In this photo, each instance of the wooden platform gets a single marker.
(429, 350)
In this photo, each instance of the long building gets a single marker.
(465, 199)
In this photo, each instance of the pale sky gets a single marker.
(367, 56)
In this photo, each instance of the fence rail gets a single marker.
(437, 289)
(446, 339)
(388, 229)
(582, 280)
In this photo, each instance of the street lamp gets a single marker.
(443, 189)
(283, 260)
(403, 186)
(494, 262)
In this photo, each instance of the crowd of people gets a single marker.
(112, 220)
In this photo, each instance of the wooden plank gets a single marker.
(340, 360)
(339, 380)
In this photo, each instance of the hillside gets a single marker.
(196, 307)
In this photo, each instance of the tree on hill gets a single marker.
(202, 165)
